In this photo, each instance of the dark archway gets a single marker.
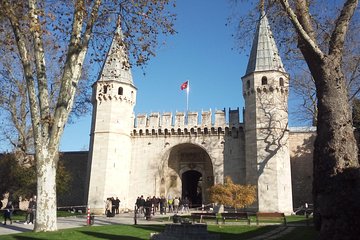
(188, 174)
(191, 187)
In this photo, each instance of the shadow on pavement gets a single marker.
(16, 227)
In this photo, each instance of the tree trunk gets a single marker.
(336, 185)
(46, 217)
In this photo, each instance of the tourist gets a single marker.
(117, 205)
(170, 204)
(108, 207)
(148, 205)
(30, 212)
(8, 212)
(186, 204)
(162, 205)
(176, 204)
(113, 206)
(142, 204)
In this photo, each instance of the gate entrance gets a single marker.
(189, 172)
(192, 187)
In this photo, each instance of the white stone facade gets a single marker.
(182, 155)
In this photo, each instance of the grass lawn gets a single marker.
(131, 232)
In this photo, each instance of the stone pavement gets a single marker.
(123, 218)
(274, 234)
(79, 221)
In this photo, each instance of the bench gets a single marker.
(201, 216)
(270, 216)
(236, 216)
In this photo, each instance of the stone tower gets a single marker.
(113, 98)
(265, 89)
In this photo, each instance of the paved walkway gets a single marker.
(123, 218)
(79, 221)
(274, 234)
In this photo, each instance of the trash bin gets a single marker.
(92, 219)
(176, 219)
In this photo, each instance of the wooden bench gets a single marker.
(202, 216)
(270, 216)
(236, 216)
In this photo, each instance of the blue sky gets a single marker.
(201, 52)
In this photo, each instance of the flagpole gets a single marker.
(187, 97)
(187, 102)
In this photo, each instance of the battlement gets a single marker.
(155, 122)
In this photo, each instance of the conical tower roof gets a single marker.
(116, 66)
(264, 54)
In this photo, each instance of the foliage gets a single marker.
(231, 194)
(20, 180)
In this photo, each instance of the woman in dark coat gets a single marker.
(8, 212)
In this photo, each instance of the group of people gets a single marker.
(150, 206)
(112, 206)
(30, 212)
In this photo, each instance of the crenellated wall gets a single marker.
(166, 123)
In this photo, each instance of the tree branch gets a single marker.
(73, 66)
(341, 26)
(24, 56)
(36, 30)
(300, 29)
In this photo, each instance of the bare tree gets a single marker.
(319, 30)
(14, 105)
(336, 165)
(80, 32)
(303, 84)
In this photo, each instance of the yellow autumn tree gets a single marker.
(231, 194)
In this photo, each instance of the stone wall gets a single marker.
(301, 155)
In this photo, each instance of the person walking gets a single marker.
(30, 212)
(148, 206)
(8, 210)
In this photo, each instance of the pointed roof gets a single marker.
(116, 66)
(264, 54)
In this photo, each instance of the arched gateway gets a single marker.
(189, 173)
(180, 156)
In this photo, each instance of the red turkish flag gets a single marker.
(184, 85)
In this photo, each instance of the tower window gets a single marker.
(248, 84)
(120, 91)
(281, 81)
(105, 89)
(132, 95)
(264, 80)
